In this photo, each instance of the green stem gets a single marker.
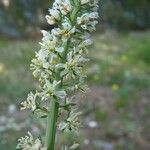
(51, 124)
(54, 105)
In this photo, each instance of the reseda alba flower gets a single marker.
(28, 143)
(88, 21)
(72, 122)
(53, 90)
(63, 5)
(53, 17)
(73, 147)
(64, 32)
(49, 41)
(30, 103)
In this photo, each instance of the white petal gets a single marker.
(59, 49)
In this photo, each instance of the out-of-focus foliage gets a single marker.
(23, 16)
(126, 14)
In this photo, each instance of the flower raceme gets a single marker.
(59, 65)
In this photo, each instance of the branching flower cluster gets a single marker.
(28, 143)
(59, 65)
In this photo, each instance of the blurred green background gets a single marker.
(116, 110)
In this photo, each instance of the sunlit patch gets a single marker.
(124, 58)
(114, 48)
(105, 47)
(115, 87)
(2, 68)
(96, 77)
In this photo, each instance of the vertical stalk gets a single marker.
(54, 105)
(51, 124)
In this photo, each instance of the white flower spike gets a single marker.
(59, 67)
